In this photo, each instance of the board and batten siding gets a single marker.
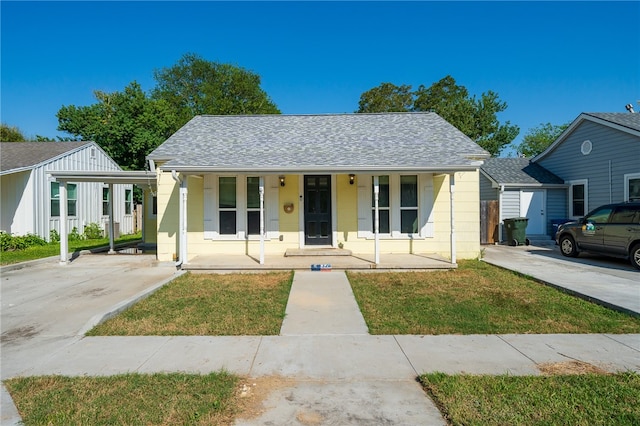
(89, 194)
(614, 153)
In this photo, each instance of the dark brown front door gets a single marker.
(317, 210)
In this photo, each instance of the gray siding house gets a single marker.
(30, 197)
(598, 156)
(595, 161)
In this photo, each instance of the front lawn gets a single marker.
(590, 399)
(477, 298)
(207, 305)
(132, 399)
(53, 249)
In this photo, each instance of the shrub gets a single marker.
(75, 236)
(54, 236)
(18, 242)
(92, 231)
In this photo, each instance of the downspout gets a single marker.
(182, 234)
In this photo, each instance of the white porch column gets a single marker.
(452, 187)
(376, 220)
(112, 226)
(183, 221)
(261, 191)
(64, 238)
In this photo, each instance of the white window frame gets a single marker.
(102, 203)
(573, 183)
(251, 209)
(425, 207)
(212, 209)
(627, 179)
(69, 199)
(128, 201)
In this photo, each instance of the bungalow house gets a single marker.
(595, 161)
(269, 184)
(30, 198)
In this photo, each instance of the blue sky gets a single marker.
(549, 61)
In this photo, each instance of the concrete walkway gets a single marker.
(322, 303)
(336, 373)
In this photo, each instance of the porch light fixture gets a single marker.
(281, 180)
(352, 179)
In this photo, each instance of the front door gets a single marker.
(532, 207)
(317, 210)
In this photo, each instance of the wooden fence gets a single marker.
(489, 221)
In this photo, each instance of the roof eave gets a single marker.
(319, 169)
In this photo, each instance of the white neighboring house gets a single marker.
(29, 198)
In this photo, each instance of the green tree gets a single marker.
(195, 86)
(127, 125)
(386, 98)
(476, 118)
(539, 138)
(11, 134)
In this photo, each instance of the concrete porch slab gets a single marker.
(360, 262)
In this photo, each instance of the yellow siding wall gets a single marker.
(467, 215)
(150, 225)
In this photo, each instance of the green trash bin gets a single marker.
(516, 230)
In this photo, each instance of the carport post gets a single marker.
(64, 238)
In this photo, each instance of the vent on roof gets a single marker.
(629, 108)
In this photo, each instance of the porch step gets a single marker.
(317, 252)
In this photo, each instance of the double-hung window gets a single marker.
(383, 206)
(253, 205)
(409, 204)
(632, 187)
(105, 201)
(128, 201)
(578, 198)
(71, 199)
(227, 205)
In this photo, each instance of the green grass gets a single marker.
(133, 399)
(477, 298)
(206, 305)
(589, 399)
(39, 252)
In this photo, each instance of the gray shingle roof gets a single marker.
(24, 155)
(519, 171)
(632, 121)
(357, 142)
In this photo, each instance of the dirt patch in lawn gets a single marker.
(569, 368)
(253, 392)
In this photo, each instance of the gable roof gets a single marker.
(623, 121)
(312, 143)
(518, 172)
(19, 156)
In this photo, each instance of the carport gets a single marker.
(143, 179)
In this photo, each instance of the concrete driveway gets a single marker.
(46, 306)
(611, 282)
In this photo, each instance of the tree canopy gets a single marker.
(475, 117)
(127, 124)
(11, 134)
(539, 138)
(195, 86)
